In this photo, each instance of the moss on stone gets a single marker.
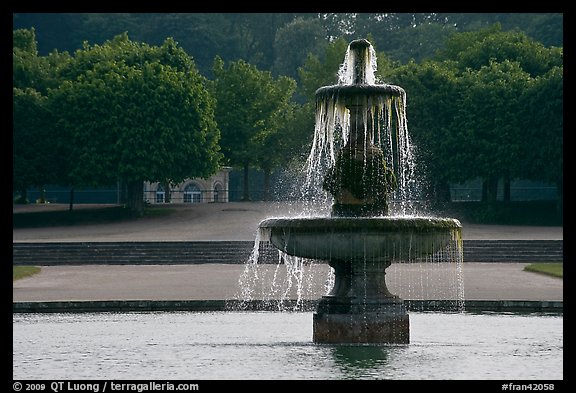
(363, 174)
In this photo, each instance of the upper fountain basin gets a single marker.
(360, 239)
(358, 90)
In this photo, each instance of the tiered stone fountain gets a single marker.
(360, 239)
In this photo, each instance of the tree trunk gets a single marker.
(136, 197)
(123, 192)
(506, 196)
(71, 202)
(442, 192)
(167, 191)
(246, 196)
(42, 198)
(560, 200)
(490, 189)
(23, 198)
(266, 195)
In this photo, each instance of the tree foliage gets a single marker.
(251, 107)
(253, 37)
(133, 112)
(470, 110)
(484, 91)
(480, 48)
(32, 157)
(294, 42)
(320, 71)
(36, 156)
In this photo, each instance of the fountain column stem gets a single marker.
(360, 308)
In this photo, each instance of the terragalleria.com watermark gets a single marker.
(104, 386)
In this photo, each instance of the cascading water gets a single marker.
(359, 106)
(361, 154)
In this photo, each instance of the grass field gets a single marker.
(550, 269)
(19, 272)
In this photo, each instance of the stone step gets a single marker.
(238, 252)
(70, 253)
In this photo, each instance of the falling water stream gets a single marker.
(382, 110)
(384, 122)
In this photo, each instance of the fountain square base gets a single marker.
(341, 321)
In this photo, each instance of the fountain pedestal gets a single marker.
(360, 309)
(388, 323)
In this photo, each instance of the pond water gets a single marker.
(278, 345)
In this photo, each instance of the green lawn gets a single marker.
(550, 269)
(19, 272)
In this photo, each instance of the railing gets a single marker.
(196, 196)
(458, 194)
(462, 194)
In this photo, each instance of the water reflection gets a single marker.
(360, 361)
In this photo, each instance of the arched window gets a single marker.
(218, 195)
(160, 194)
(192, 194)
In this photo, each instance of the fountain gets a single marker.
(362, 237)
(360, 155)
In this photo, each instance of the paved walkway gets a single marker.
(239, 221)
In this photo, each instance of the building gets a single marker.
(213, 189)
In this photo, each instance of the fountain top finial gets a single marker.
(356, 76)
(360, 44)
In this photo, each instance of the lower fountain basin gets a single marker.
(403, 238)
(277, 346)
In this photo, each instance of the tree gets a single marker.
(489, 118)
(467, 125)
(542, 122)
(136, 113)
(287, 143)
(479, 48)
(251, 105)
(432, 95)
(546, 28)
(322, 71)
(512, 60)
(36, 157)
(32, 158)
(416, 43)
(294, 41)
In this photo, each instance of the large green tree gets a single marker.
(433, 97)
(471, 109)
(33, 155)
(136, 113)
(251, 108)
(478, 48)
(489, 120)
(542, 122)
(255, 37)
(294, 41)
(36, 158)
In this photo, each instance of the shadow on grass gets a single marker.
(81, 216)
